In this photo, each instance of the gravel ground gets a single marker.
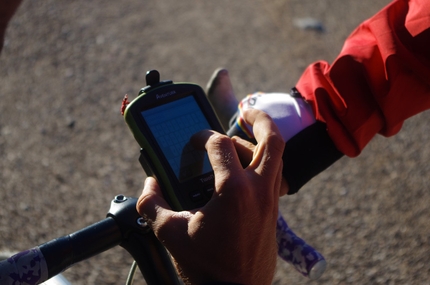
(65, 151)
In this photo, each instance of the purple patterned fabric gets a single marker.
(295, 251)
(25, 268)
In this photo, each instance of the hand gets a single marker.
(245, 150)
(221, 95)
(233, 237)
(308, 147)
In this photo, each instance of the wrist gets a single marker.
(308, 150)
(307, 154)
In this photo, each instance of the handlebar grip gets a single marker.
(61, 253)
(294, 250)
(27, 267)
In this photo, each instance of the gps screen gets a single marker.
(172, 126)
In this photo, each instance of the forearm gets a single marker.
(380, 78)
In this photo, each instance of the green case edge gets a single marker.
(143, 143)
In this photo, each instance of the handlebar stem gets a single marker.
(138, 239)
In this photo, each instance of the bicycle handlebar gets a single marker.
(123, 226)
(38, 264)
(61, 253)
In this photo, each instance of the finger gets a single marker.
(284, 187)
(222, 155)
(151, 203)
(244, 149)
(278, 186)
(161, 218)
(270, 145)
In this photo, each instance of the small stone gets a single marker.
(309, 24)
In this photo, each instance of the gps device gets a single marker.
(162, 119)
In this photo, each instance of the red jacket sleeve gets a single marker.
(380, 78)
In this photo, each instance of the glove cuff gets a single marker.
(308, 153)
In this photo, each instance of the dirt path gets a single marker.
(65, 151)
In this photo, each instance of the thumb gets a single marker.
(151, 203)
(244, 149)
(160, 216)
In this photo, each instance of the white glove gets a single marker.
(291, 114)
(308, 147)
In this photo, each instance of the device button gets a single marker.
(196, 196)
(209, 191)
